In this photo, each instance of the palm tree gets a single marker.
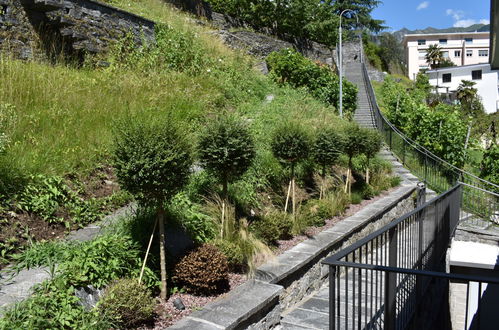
(434, 56)
(467, 95)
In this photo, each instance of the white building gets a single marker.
(461, 48)
(486, 79)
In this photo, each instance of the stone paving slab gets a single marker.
(237, 308)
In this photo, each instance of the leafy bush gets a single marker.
(290, 143)
(127, 303)
(52, 306)
(356, 198)
(490, 164)
(203, 271)
(272, 227)
(233, 253)
(103, 260)
(226, 149)
(52, 200)
(290, 67)
(327, 147)
(152, 160)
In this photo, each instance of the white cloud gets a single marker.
(460, 21)
(456, 14)
(423, 5)
(468, 22)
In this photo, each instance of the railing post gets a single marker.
(391, 282)
(332, 298)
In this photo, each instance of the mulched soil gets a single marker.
(169, 315)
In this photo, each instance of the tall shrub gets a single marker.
(371, 147)
(355, 140)
(326, 150)
(291, 144)
(152, 161)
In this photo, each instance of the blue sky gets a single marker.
(420, 14)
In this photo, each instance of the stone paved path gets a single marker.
(17, 288)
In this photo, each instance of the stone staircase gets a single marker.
(363, 114)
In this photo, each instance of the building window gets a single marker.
(446, 77)
(483, 52)
(445, 54)
(476, 74)
(468, 40)
(469, 52)
(442, 41)
(457, 53)
(421, 42)
(422, 55)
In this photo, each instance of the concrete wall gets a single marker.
(73, 27)
(487, 86)
(455, 42)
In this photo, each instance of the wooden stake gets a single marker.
(162, 254)
(287, 197)
(147, 252)
(223, 220)
(294, 198)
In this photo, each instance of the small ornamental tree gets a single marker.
(371, 147)
(152, 161)
(355, 140)
(227, 149)
(290, 144)
(326, 150)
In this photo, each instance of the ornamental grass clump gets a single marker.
(291, 145)
(152, 161)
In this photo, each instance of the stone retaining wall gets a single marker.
(297, 272)
(32, 28)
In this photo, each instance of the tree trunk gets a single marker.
(162, 254)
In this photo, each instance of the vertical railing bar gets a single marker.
(479, 310)
(332, 297)
(467, 305)
(359, 302)
(353, 291)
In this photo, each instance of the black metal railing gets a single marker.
(396, 277)
(437, 173)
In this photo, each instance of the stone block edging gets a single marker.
(277, 285)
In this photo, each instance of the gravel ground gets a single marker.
(169, 315)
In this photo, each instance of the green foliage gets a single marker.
(327, 147)
(312, 19)
(127, 303)
(226, 148)
(471, 103)
(53, 200)
(356, 198)
(372, 143)
(355, 140)
(423, 83)
(490, 164)
(287, 66)
(102, 260)
(203, 271)
(152, 160)
(43, 253)
(272, 227)
(233, 252)
(52, 306)
(290, 143)
(190, 216)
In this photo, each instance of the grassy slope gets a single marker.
(63, 116)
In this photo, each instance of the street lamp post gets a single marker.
(341, 59)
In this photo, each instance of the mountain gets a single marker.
(472, 28)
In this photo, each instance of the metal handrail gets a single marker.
(381, 119)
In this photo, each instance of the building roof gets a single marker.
(418, 35)
(470, 66)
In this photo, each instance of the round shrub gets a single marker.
(290, 143)
(203, 271)
(152, 159)
(233, 253)
(327, 147)
(127, 303)
(272, 227)
(226, 148)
